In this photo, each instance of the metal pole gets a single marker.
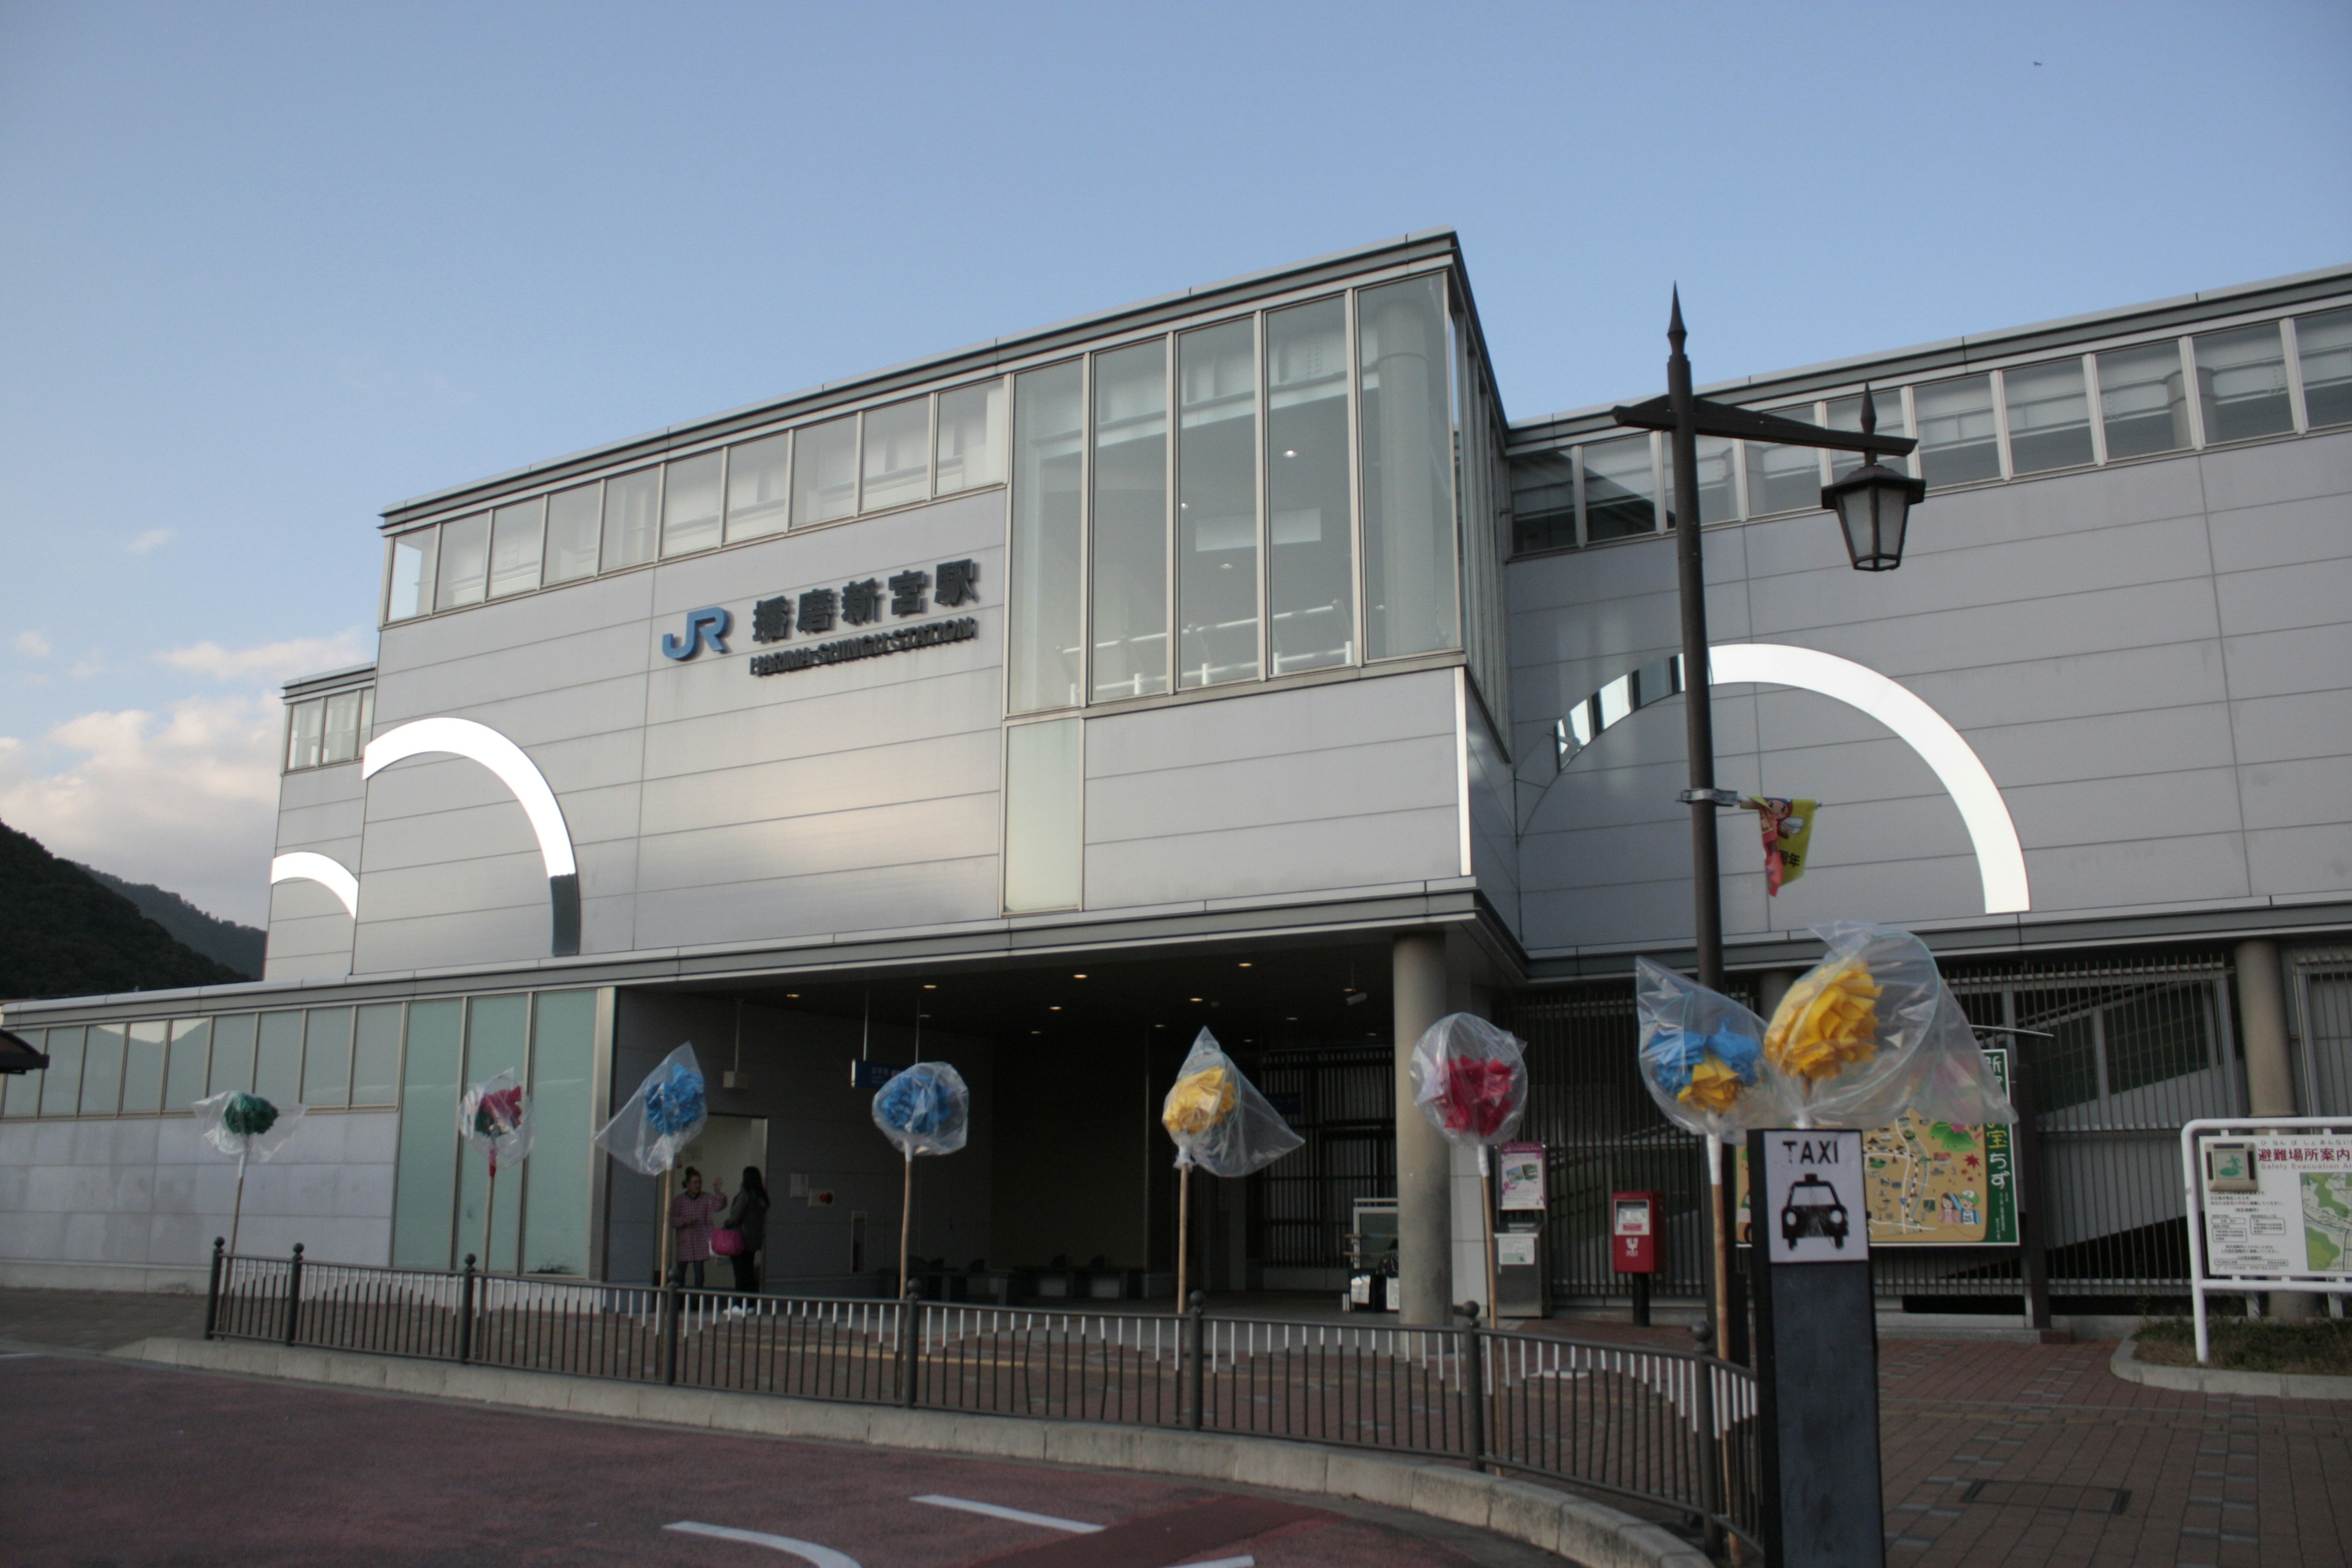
(1711, 1466)
(1474, 1388)
(905, 1221)
(466, 1313)
(213, 1289)
(673, 1302)
(1195, 1326)
(294, 1295)
(910, 1335)
(1183, 1228)
(1424, 1160)
(1698, 730)
(1487, 1193)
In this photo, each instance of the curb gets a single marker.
(2126, 1363)
(1587, 1532)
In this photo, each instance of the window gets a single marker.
(305, 732)
(464, 562)
(62, 1084)
(375, 1055)
(233, 1054)
(1311, 543)
(189, 1055)
(142, 1068)
(2141, 402)
(2324, 348)
(20, 1092)
(101, 1071)
(1788, 478)
(691, 518)
(1958, 439)
(758, 504)
(1887, 409)
(572, 519)
(1044, 801)
(345, 730)
(278, 1058)
(1543, 501)
(824, 475)
(564, 1167)
(972, 438)
(1048, 421)
(1719, 496)
(632, 505)
(2049, 416)
(1621, 489)
(2158, 1034)
(327, 1057)
(1412, 597)
(2241, 384)
(518, 537)
(1216, 505)
(496, 1032)
(898, 442)
(415, 561)
(1131, 522)
(424, 1179)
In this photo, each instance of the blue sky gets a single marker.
(266, 268)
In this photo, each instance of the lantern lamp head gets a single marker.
(1873, 504)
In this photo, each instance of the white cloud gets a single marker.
(186, 800)
(153, 539)
(32, 645)
(273, 662)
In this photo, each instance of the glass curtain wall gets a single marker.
(464, 562)
(1131, 522)
(2324, 348)
(2144, 400)
(2049, 416)
(632, 511)
(1310, 550)
(2242, 382)
(1216, 505)
(562, 1168)
(517, 537)
(1044, 643)
(757, 502)
(572, 527)
(1411, 600)
(691, 504)
(1787, 479)
(425, 1185)
(497, 1033)
(1960, 439)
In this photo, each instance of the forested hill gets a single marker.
(63, 935)
(223, 941)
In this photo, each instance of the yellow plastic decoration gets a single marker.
(1713, 1086)
(1199, 1102)
(1825, 1025)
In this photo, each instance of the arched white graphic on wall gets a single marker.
(514, 769)
(2000, 861)
(303, 866)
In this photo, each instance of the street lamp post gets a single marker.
(1873, 505)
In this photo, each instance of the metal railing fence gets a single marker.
(1671, 1428)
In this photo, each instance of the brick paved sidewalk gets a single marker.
(95, 1319)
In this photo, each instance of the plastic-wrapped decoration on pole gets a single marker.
(494, 1117)
(1470, 1079)
(1701, 1056)
(926, 1109)
(1217, 1118)
(245, 1124)
(661, 1118)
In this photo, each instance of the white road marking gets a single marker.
(1223, 1563)
(808, 1550)
(21, 1355)
(1018, 1516)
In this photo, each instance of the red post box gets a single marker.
(1633, 1232)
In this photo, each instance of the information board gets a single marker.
(2298, 1218)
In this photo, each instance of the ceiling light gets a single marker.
(1290, 453)
(1077, 977)
(1291, 1019)
(1192, 998)
(1245, 963)
(930, 988)
(1054, 1008)
(1036, 1031)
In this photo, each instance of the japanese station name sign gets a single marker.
(814, 612)
(2278, 1204)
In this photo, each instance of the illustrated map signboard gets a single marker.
(1933, 1183)
(2298, 1220)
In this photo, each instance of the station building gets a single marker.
(1234, 660)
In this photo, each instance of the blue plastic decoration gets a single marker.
(674, 1098)
(661, 1119)
(925, 1109)
(1672, 1054)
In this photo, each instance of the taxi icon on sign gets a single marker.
(1813, 1208)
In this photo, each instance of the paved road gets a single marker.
(110, 1463)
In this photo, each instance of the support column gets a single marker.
(1424, 1231)
(2270, 1070)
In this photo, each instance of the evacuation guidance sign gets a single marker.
(1815, 1210)
(2298, 1220)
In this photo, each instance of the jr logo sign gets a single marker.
(704, 628)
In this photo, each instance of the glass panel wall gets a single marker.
(1310, 547)
(972, 438)
(191, 1054)
(1845, 414)
(560, 1171)
(142, 1068)
(898, 455)
(2242, 383)
(1131, 522)
(20, 1092)
(757, 501)
(305, 734)
(1043, 644)
(495, 1030)
(327, 1058)
(1620, 488)
(2049, 416)
(464, 562)
(277, 1061)
(691, 504)
(1543, 501)
(1411, 594)
(1787, 479)
(1960, 439)
(2324, 348)
(375, 1056)
(2142, 400)
(233, 1054)
(424, 1182)
(1718, 493)
(415, 558)
(574, 517)
(631, 513)
(62, 1084)
(1044, 801)
(518, 537)
(341, 741)
(824, 478)
(101, 1071)
(1216, 505)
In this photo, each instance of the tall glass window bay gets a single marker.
(824, 472)
(142, 1068)
(1411, 601)
(1959, 440)
(184, 1079)
(416, 561)
(2242, 381)
(277, 1060)
(496, 1034)
(2049, 416)
(2143, 400)
(1044, 795)
(1786, 479)
(2324, 347)
(757, 503)
(517, 534)
(232, 1056)
(1543, 501)
(101, 1071)
(425, 1181)
(898, 455)
(62, 1084)
(464, 562)
(563, 1167)
(1621, 486)
(632, 512)
(1043, 646)
(1310, 544)
(1131, 522)
(972, 438)
(690, 505)
(1216, 505)
(571, 526)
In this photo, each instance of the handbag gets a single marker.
(726, 1243)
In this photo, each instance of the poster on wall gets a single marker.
(2291, 1212)
(1933, 1183)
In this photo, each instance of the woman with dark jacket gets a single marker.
(748, 1216)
